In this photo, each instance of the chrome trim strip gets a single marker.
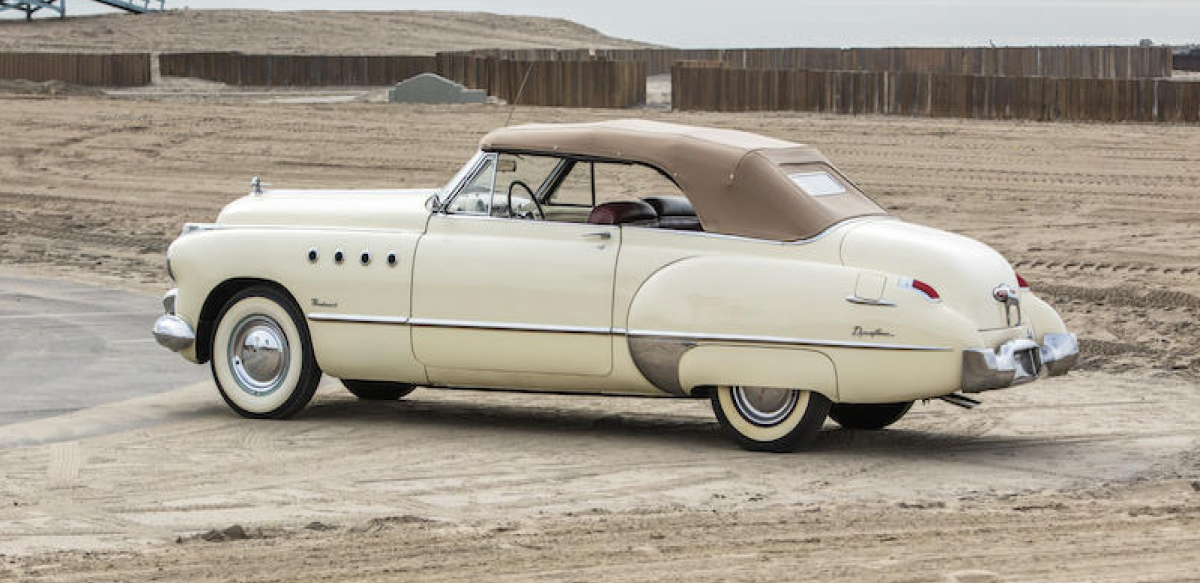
(471, 324)
(516, 327)
(481, 325)
(867, 302)
(357, 319)
(786, 340)
(235, 227)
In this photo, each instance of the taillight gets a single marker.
(1021, 283)
(918, 285)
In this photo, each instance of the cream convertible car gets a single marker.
(629, 258)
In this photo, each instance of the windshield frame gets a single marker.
(461, 178)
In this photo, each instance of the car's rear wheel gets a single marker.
(766, 419)
(378, 390)
(868, 417)
(262, 358)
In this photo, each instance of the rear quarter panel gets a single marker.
(730, 294)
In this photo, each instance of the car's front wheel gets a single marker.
(378, 390)
(868, 417)
(767, 419)
(262, 358)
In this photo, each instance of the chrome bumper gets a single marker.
(170, 330)
(1059, 353)
(1018, 362)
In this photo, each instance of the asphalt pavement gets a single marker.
(68, 346)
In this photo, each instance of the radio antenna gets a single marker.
(520, 90)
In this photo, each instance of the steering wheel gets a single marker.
(532, 197)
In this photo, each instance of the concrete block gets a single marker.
(431, 88)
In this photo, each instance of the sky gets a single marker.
(833, 23)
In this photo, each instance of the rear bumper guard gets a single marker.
(1018, 362)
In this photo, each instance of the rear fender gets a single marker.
(784, 322)
(1043, 318)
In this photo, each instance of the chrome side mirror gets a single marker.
(434, 203)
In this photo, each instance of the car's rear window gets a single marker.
(817, 183)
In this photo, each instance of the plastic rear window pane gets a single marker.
(818, 183)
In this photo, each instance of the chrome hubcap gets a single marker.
(763, 406)
(258, 355)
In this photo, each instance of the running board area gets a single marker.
(961, 400)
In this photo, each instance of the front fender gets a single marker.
(364, 283)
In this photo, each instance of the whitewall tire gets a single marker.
(762, 419)
(262, 358)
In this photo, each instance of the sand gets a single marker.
(306, 32)
(1102, 219)
(1095, 476)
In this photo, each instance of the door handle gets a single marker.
(600, 234)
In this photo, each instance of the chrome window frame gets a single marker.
(457, 181)
(465, 176)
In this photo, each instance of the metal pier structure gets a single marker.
(29, 7)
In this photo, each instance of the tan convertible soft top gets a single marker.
(738, 182)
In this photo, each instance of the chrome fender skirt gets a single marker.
(657, 358)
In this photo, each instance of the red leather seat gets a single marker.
(625, 212)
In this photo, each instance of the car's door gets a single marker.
(495, 293)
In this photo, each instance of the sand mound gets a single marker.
(308, 32)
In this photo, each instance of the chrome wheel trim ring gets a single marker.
(259, 355)
(763, 406)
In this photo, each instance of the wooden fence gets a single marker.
(1116, 62)
(581, 83)
(1188, 61)
(715, 87)
(567, 83)
(116, 70)
(294, 70)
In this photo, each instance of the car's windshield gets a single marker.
(460, 175)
